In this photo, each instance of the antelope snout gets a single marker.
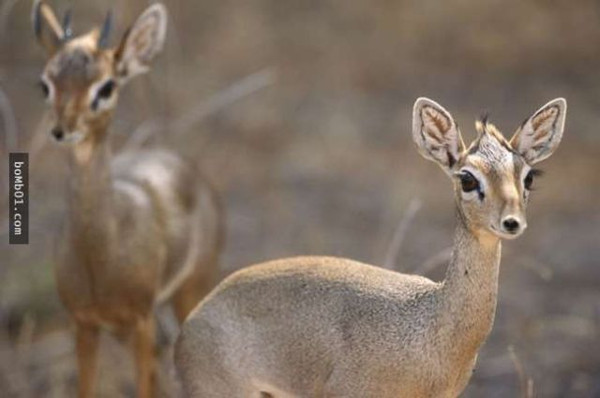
(513, 225)
(58, 133)
(65, 135)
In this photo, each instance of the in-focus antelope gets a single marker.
(333, 327)
(142, 227)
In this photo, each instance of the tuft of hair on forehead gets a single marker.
(486, 131)
(483, 126)
(484, 118)
(76, 63)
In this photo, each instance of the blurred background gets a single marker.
(299, 112)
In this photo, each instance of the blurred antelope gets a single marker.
(141, 227)
(332, 327)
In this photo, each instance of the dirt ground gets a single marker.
(299, 112)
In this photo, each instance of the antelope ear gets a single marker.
(46, 27)
(436, 134)
(142, 42)
(539, 136)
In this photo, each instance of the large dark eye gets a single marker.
(106, 90)
(103, 93)
(528, 181)
(45, 89)
(468, 182)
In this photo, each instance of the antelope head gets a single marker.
(83, 74)
(493, 176)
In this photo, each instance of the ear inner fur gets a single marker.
(540, 135)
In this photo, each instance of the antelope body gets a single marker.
(142, 227)
(333, 327)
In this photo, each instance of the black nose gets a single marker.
(58, 133)
(510, 225)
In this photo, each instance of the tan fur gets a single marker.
(135, 222)
(333, 327)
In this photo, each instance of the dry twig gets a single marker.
(243, 88)
(525, 382)
(5, 11)
(441, 258)
(399, 235)
(10, 122)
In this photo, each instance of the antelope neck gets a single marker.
(90, 219)
(469, 292)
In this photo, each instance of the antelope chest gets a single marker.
(427, 370)
(451, 373)
(107, 293)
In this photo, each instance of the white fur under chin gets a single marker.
(507, 236)
(72, 138)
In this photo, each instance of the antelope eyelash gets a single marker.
(535, 173)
